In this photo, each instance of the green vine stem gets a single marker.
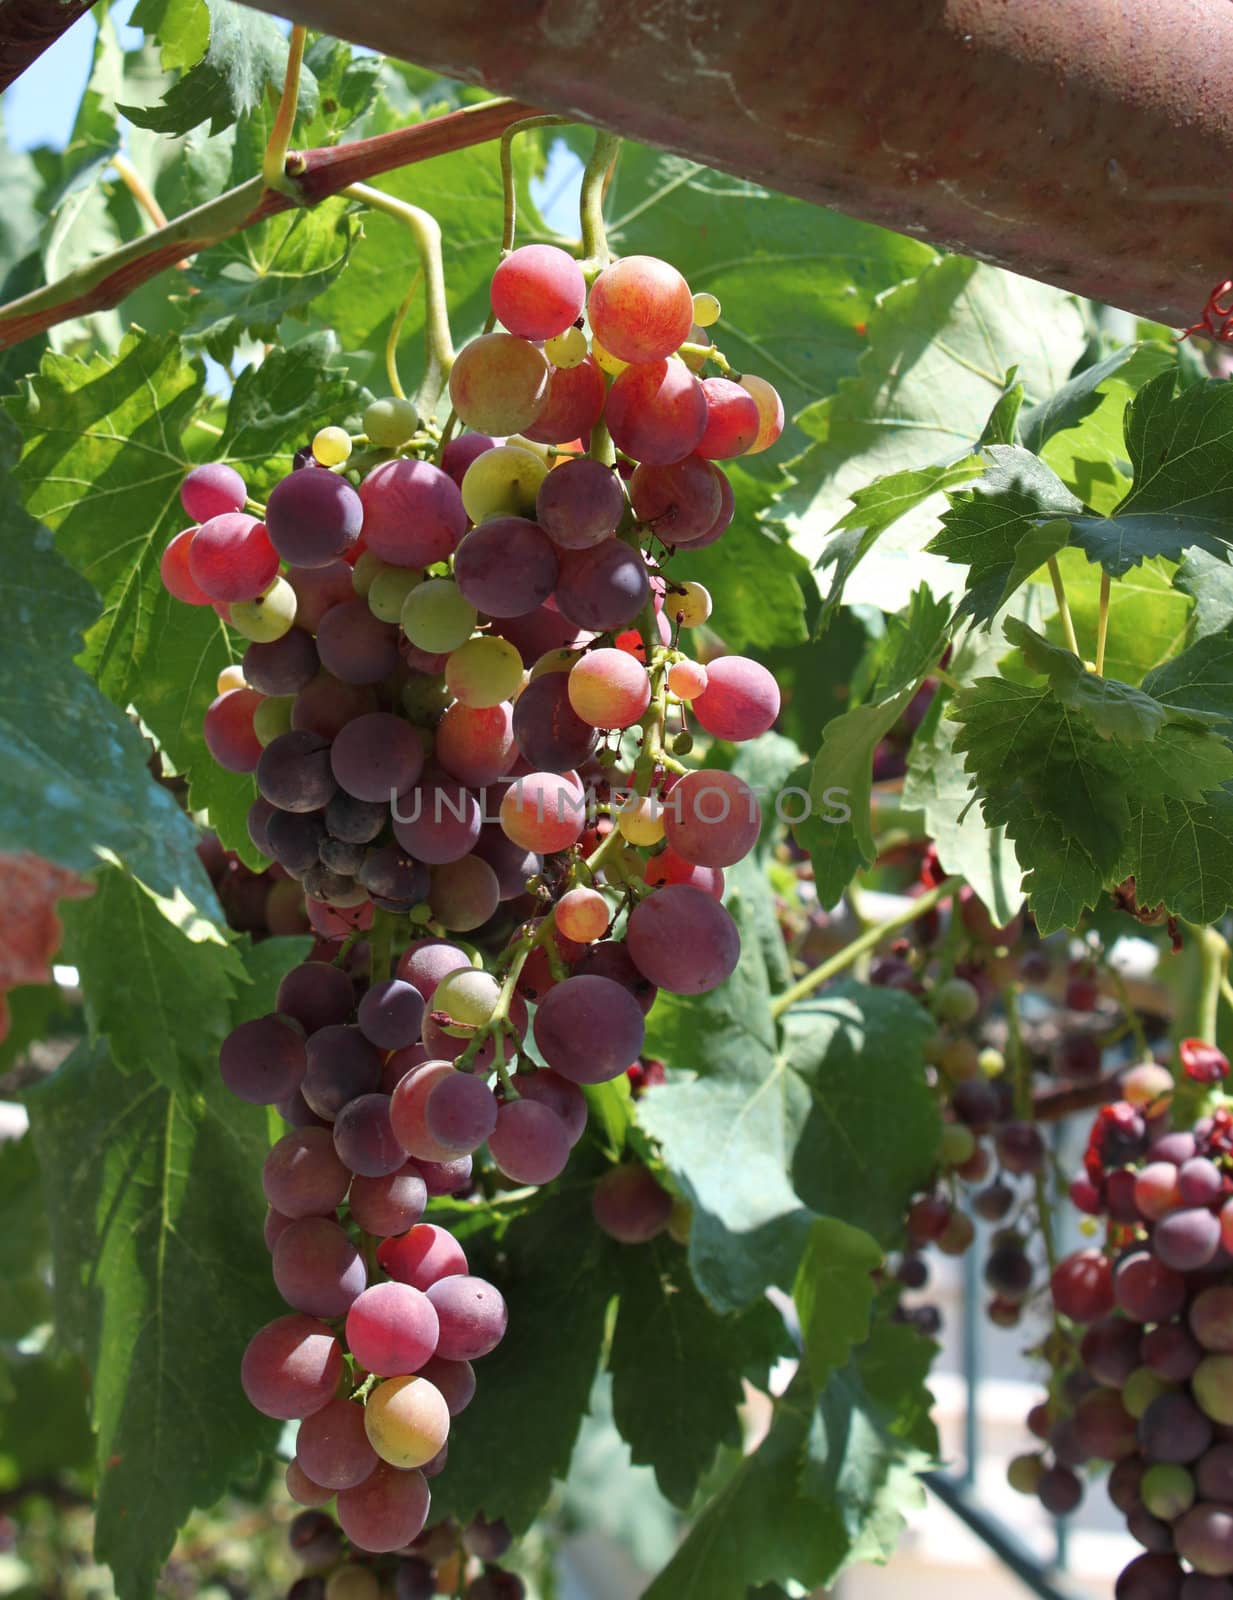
(1063, 606)
(594, 183)
(380, 946)
(425, 230)
(869, 940)
(507, 175)
(102, 283)
(391, 340)
(1102, 625)
(1213, 976)
(274, 162)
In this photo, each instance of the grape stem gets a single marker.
(508, 184)
(595, 178)
(380, 946)
(1213, 975)
(1102, 625)
(274, 162)
(869, 940)
(1063, 606)
(391, 341)
(711, 353)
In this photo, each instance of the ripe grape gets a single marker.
(231, 557)
(407, 1111)
(302, 1489)
(603, 588)
(426, 961)
(295, 839)
(313, 518)
(687, 679)
(544, 812)
(656, 412)
(589, 1029)
(212, 490)
(385, 1512)
(364, 1137)
(629, 1205)
(1105, 1429)
(316, 1267)
(1156, 1189)
(609, 689)
(770, 412)
(506, 567)
(1187, 1240)
(563, 1098)
(281, 666)
(579, 504)
(1146, 1289)
(422, 1256)
(177, 578)
(641, 308)
(229, 733)
(342, 1065)
(332, 1447)
(436, 617)
(413, 513)
(484, 672)
(682, 940)
(317, 589)
(583, 915)
(390, 1204)
(1059, 1491)
(437, 821)
(291, 1367)
(1110, 1350)
(1171, 1350)
(1204, 1537)
(476, 744)
(390, 874)
(712, 818)
(573, 405)
(326, 706)
(1174, 1429)
(499, 383)
(1200, 1182)
(548, 732)
(407, 1420)
(503, 482)
(263, 1061)
(679, 502)
(455, 1380)
(294, 772)
(538, 291)
(314, 1541)
(741, 700)
(355, 646)
(530, 1143)
(1211, 1317)
(733, 420)
(302, 1175)
(471, 1314)
(377, 756)
(392, 1329)
(390, 1014)
(460, 1112)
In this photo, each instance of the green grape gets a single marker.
(389, 423)
(389, 589)
(436, 618)
(687, 603)
(269, 616)
(424, 698)
(331, 446)
(568, 349)
(366, 568)
(503, 482)
(484, 671)
(469, 996)
(707, 310)
(272, 717)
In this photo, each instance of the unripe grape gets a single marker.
(1167, 1490)
(641, 820)
(503, 482)
(272, 717)
(267, 618)
(364, 572)
(1023, 1473)
(641, 308)
(707, 310)
(231, 677)
(956, 1000)
(483, 672)
(388, 591)
(389, 423)
(689, 604)
(605, 360)
(770, 412)
(568, 349)
(331, 446)
(436, 617)
(468, 994)
(499, 383)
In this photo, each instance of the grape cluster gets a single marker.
(1153, 1392)
(464, 700)
(440, 1561)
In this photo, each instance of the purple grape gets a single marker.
(293, 772)
(317, 1269)
(604, 588)
(506, 567)
(1150, 1577)
(377, 757)
(391, 874)
(364, 1138)
(355, 821)
(589, 1029)
(610, 959)
(313, 517)
(471, 1314)
(391, 1204)
(264, 1061)
(549, 733)
(302, 1175)
(283, 666)
(1174, 1429)
(438, 821)
(317, 995)
(682, 940)
(295, 839)
(356, 647)
(391, 1013)
(342, 1065)
(1187, 1240)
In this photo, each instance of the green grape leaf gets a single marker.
(182, 28)
(347, 86)
(37, 1011)
(24, 1244)
(1181, 855)
(245, 51)
(157, 979)
(676, 1411)
(834, 1294)
(265, 965)
(44, 1414)
(762, 1145)
(842, 778)
(161, 1277)
(74, 781)
(940, 346)
(875, 509)
(1198, 680)
(1181, 448)
(1004, 527)
(1208, 580)
(553, 1268)
(827, 1486)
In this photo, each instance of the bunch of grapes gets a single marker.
(465, 702)
(1153, 1389)
(440, 1561)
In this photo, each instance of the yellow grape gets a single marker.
(707, 310)
(568, 349)
(641, 821)
(269, 616)
(407, 1421)
(689, 604)
(331, 446)
(232, 677)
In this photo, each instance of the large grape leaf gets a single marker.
(834, 1293)
(244, 51)
(157, 980)
(842, 778)
(1208, 580)
(764, 1143)
(939, 349)
(827, 1486)
(24, 1242)
(161, 1278)
(74, 778)
(1181, 856)
(678, 1409)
